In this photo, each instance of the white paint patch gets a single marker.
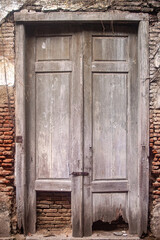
(157, 59)
(43, 45)
(6, 72)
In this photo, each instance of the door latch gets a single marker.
(76, 174)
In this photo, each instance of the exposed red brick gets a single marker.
(53, 210)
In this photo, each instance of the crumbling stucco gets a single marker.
(4, 215)
(74, 5)
(8, 6)
(155, 221)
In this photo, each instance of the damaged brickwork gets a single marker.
(7, 188)
(51, 207)
(7, 127)
(53, 210)
(154, 47)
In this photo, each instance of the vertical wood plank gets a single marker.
(76, 130)
(132, 139)
(20, 171)
(30, 133)
(87, 220)
(143, 136)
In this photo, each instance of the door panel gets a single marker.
(105, 48)
(52, 111)
(109, 206)
(53, 48)
(109, 126)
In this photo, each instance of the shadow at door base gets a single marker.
(118, 224)
(101, 231)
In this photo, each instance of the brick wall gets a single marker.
(53, 210)
(7, 149)
(154, 47)
(7, 120)
(7, 40)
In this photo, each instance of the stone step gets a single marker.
(84, 238)
(7, 238)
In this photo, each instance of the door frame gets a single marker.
(21, 19)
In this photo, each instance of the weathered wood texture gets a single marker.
(52, 106)
(79, 16)
(132, 145)
(88, 150)
(76, 147)
(110, 53)
(53, 66)
(30, 133)
(55, 112)
(52, 125)
(110, 209)
(110, 67)
(20, 127)
(53, 185)
(109, 186)
(143, 136)
(53, 48)
(110, 125)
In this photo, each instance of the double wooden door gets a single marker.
(82, 120)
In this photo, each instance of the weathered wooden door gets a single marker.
(110, 126)
(82, 128)
(54, 107)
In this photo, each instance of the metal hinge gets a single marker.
(76, 174)
(19, 139)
